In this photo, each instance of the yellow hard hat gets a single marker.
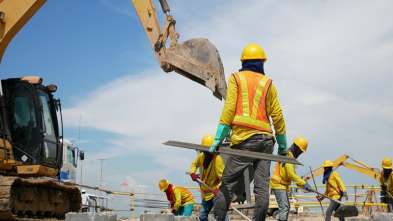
(253, 52)
(163, 185)
(302, 143)
(207, 140)
(327, 163)
(387, 163)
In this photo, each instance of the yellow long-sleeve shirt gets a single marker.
(210, 175)
(182, 197)
(273, 109)
(284, 175)
(388, 182)
(334, 186)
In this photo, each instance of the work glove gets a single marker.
(194, 176)
(345, 195)
(307, 187)
(223, 131)
(383, 188)
(282, 144)
(319, 198)
(216, 192)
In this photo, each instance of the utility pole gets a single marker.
(79, 145)
(101, 174)
(132, 210)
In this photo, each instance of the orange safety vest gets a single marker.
(251, 101)
(277, 176)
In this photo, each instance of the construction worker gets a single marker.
(284, 174)
(251, 101)
(386, 181)
(335, 189)
(211, 167)
(180, 198)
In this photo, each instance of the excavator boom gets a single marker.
(14, 14)
(197, 59)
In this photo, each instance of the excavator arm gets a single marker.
(319, 171)
(14, 14)
(197, 59)
(357, 166)
(371, 172)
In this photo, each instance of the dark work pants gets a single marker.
(333, 206)
(233, 173)
(385, 198)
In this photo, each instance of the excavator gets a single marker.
(30, 133)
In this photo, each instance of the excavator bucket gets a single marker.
(197, 59)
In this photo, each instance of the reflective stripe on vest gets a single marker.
(252, 92)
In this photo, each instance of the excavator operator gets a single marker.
(251, 101)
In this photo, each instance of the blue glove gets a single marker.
(345, 195)
(282, 144)
(222, 132)
(307, 187)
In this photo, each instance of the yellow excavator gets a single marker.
(30, 132)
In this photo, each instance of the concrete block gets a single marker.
(382, 216)
(90, 217)
(186, 218)
(357, 219)
(211, 217)
(157, 217)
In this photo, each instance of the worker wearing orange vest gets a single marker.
(251, 101)
(386, 181)
(180, 198)
(284, 174)
(211, 167)
(335, 189)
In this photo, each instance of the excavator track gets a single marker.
(36, 198)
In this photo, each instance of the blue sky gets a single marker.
(79, 46)
(330, 62)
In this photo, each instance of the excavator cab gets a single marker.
(30, 116)
(197, 59)
(30, 146)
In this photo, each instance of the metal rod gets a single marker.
(229, 151)
(101, 174)
(316, 188)
(241, 214)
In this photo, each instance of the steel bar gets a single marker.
(316, 188)
(241, 214)
(235, 152)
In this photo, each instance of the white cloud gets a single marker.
(331, 61)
